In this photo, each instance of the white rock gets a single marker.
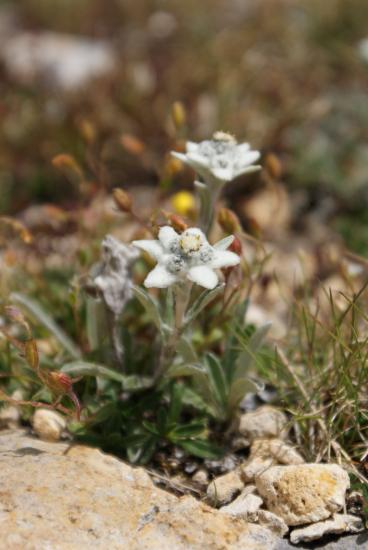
(337, 525)
(224, 488)
(200, 477)
(255, 466)
(245, 506)
(10, 415)
(272, 522)
(64, 61)
(48, 425)
(265, 422)
(305, 493)
(62, 498)
(277, 449)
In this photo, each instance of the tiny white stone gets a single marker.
(245, 506)
(224, 488)
(48, 425)
(337, 525)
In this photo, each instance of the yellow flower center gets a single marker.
(190, 243)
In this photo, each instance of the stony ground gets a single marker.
(57, 496)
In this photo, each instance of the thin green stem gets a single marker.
(181, 300)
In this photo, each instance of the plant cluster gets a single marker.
(167, 362)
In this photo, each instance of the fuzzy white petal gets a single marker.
(159, 277)
(203, 276)
(166, 236)
(242, 149)
(223, 174)
(224, 258)
(179, 156)
(154, 248)
(247, 170)
(224, 243)
(192, 147)
(248, 158)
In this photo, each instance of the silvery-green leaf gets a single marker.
(202, 301)
(185, 369)
(96, 323)
(239, 388)
(218, 382)
(85, 368)
(48, 322)
(186, 350)
(248, 355)
(149, 304)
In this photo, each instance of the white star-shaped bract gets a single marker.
(221, 159)
(186, 256)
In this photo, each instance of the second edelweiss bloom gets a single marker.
(188, 255)
(220, 158)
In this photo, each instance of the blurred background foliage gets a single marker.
(286, 75)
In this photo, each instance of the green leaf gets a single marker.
(96, 323)
(142, 449)
(185, 431)
(238, 389)
(84, 368)
(201, 448)
(250, 349)
(202, 301)
(150, 305)
(186, 351)
(175, 404)
(185, 369)
(191, 398)
(151, 427)
(48, 322)
(162, 421)
(217, 379)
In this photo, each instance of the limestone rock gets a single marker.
(48, 425)
(305, 493)
(272, 522)
(254, 467)
(9, 417)
(60, 497)
(266, 421)
(338, 524)
(224, 488)
(10, 414)
(245, 506)
(277, 449)
(200, 477)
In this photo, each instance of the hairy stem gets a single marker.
(208, 195)
(181, 300)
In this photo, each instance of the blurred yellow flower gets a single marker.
(183, 203)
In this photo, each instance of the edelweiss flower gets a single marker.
(221, 159)
(112, 275)
(188, 255)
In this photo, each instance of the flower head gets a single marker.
(186, 256)
(112, 275)
(220, 159)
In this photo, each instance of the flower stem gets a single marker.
(181, 300)
(208, 196)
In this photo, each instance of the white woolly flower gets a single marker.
(188, 255)
(221, 159)
(112, 275)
